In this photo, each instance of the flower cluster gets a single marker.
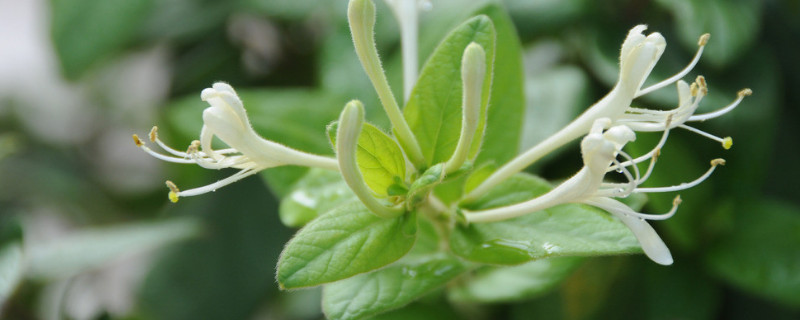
(606, 127)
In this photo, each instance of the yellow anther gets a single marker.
(154, 134)
(727, 143)
(173, 191)
(677, 200)
(693, 89)
(703, 39)
(137, 141)
(717, 162)
(745, 92)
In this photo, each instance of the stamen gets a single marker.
(173, 191)
(740, 96)
(154, 133)
(726, 142)
(701, 43)
(244, 173)
(685, 185)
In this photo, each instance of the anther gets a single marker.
(677, 201)
(727, 143)
(173, 191)
(745, 92)
(154, 133)
(718, 162)
(137, 141)
(703, 39)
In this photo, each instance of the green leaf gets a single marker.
(379, 158)
(91, 248)
(514, 283)
(87, 31)
(507, 100)
(317, 192)
(421, 187)
(433, 111)
(293, 117)
(564, 230)
(733, 25)
(760, 253)
(389, 288)
(342, 243)
(11, 270)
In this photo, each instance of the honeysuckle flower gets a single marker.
(350, 123)
(227, 119)
(638, 56)
(473, 69)
(600, 150)
(361, 17)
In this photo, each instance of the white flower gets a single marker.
(600, 150)
(227, 120)
(638, 56)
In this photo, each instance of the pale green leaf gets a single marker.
(514, 283)
(344, 242)
(564, 230)
(389, 288)
(317, 192)
(92, 248)
(434, 109)
(379, 158)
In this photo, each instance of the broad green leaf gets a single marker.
(564, 230)
(507, 100)
(346, 241)
(514, 283)
(379, 158)
(317, 192)
(421, 187)
(761, 254)
(434, 109)
(11, 270)
(87, 31)
(91, 248)
(294, 117)
(733, 25)
(389, 288)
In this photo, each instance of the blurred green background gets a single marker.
(78, 77)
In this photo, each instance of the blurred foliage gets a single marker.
(735, 237)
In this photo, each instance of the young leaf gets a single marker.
(92, 248)
(421, 187)
(389, 288)
(346, 241)
(379, 158)
(434, 109)
(565, 230)
(514, 283)
(317, 192)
